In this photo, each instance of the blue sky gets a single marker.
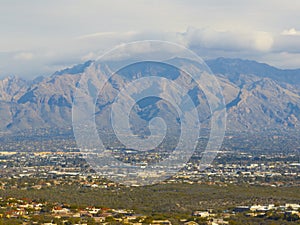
(40, 37)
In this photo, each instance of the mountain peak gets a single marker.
(10, 86)
(233, 67)
(79, 68)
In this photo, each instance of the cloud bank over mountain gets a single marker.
(44, 37)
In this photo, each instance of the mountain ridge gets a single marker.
(233, 66)
(217, 65)
(258, 96)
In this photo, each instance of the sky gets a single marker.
(41, 37)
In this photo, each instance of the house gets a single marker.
(60, 210)
(219, 222)
(292, 206)
(202, 214)
(161, 222)
(92, 210)
(191, 223)
(259, 208)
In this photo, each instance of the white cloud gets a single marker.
(24, 56)
(89, 56)
(263, 41)
(228, 40)
(107, 35)
(97, 34)
(291, 31)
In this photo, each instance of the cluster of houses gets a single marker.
(276, 170)
(27, 211)
(251, 211)
(261, 210)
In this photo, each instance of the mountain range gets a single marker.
(258, 97)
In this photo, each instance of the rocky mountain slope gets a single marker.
(258, 97)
